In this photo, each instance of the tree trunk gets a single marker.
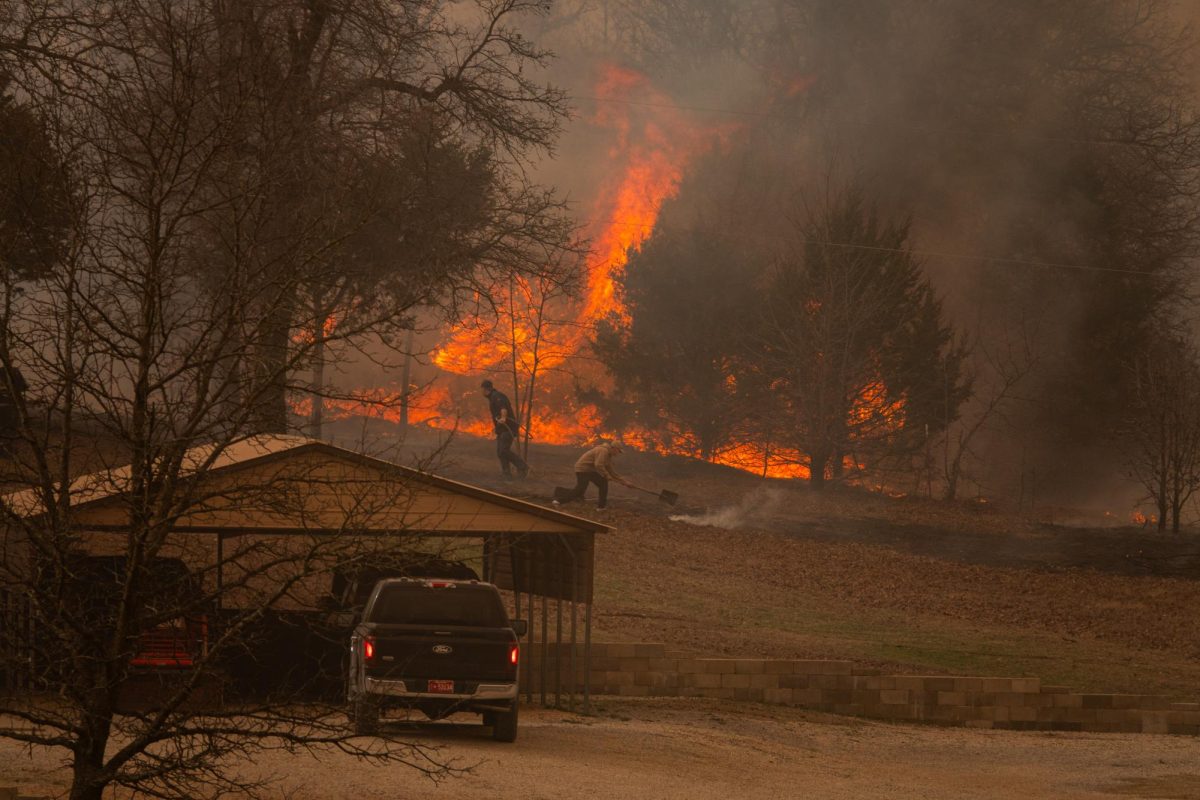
(87, 768)
(316, 419)
(818, 461)
(406, 381)
(270, 385)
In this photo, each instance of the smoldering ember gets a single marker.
(599, 399)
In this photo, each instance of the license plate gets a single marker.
(441, 687)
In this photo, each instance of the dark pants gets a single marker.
(509, 459)
(582, 479)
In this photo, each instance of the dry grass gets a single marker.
(835, 575)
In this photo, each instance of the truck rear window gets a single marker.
(423, 605)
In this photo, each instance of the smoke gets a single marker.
(999, 127)
(755, 508)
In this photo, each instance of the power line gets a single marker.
(961, 133)
(986, 259)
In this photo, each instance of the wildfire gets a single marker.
(652, 143)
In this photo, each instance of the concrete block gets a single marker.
(764, 681)
(1030, 685)
(893, 697)
(823, 667)
(1071, 700)
(795, 681)
(1155, 722)
(719, 665)
(730, 680)
(997, 684)
(940, 714)
(634, 691)
(687, 666)
(778, 696)
(619, 678)
(620, 650)
(807, 697)
(748, 666)
(704, 680)
(776, 667)
(1022, 713)
(664, 665)
(1097, 701)
(952, 698)
(650, 650)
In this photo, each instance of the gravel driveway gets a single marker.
(708, 749)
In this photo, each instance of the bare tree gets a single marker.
(997, 376)
(1164, 426)
(150, 348)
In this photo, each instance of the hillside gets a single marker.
(900, 583)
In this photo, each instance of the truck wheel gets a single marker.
(364, 714)
(504, 725)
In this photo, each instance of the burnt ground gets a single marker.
(1117, 551)
(966, 533)
(905, 584)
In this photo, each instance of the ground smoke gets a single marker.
(754, 507)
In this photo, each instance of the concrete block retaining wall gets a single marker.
(654, 670)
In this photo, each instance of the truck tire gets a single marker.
(364, 715)
(504, 725)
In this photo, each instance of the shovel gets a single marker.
(666, 496)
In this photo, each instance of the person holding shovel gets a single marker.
(594, 466)
(505, 421)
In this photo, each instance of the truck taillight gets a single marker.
(513, 652)
(368, 649)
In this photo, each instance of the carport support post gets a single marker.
(558, 652)
(220, 573)
(545, 627)
(529, 630)
(587, 659)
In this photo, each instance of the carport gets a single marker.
(274, 487)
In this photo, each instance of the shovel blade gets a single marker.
(668, 497)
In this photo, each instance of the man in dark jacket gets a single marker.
(506, 429)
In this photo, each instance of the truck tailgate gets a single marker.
(421, 652)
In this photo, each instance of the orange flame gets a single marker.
(648, 160)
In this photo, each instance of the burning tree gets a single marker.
(688, 295)
(852, 357)
(1163, 433)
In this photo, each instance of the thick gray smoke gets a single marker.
(1045, 153)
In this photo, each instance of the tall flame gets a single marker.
(648, 157)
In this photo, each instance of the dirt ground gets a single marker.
(697, 750)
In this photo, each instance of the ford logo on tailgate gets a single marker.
(443, 649)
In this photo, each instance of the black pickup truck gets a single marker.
(437, 645)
